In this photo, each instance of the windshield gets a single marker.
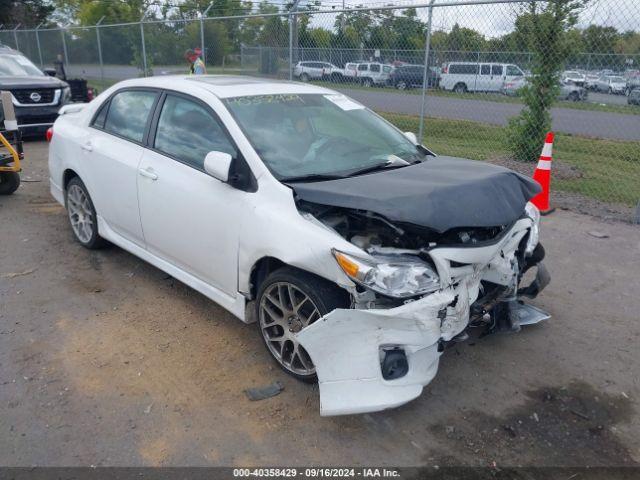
(12, 65)
(319, 135)
(617, 79)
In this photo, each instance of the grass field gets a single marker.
(610, 168)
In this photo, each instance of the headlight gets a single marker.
(66, 95)
(394, 276)
(534, 235)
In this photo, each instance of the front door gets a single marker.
(189, 218)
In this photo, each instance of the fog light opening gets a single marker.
(394, 364)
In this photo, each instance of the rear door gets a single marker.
(483, 82)
(189, 218)
(113, 151)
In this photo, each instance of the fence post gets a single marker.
(293, 29)
(202, 47)
(38, 44)
(425, 76)
(15, 36)
(64, 48)
(100, 50)
(144, 49)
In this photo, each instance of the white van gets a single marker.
(463, 77)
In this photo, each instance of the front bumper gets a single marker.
(36, 120)
(348, 346)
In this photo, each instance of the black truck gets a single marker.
(37, 97)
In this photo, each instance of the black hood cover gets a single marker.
(440, 193)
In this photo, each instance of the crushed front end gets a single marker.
(416, 292)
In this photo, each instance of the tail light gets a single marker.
(90, 94)
(49, 134)
(445, 69)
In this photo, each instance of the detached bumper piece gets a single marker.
(374, 359)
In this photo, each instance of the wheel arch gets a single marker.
(67, 175)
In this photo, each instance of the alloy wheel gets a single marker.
(284, 311)
(80, 213)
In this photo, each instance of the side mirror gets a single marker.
(412, 137)
(218, 164)
(50, 71)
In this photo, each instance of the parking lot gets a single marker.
(106, 360)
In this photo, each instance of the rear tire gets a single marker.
(304, 77)
(574, 97)
(9, 182)
(401, 85)
(82, 215)
(282, 313)
(367, 82)
(460, 88)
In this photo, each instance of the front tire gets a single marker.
(367, 82)
(9, 182)
(304, 77)
(289, 300)
(401, 85)
(82, 215)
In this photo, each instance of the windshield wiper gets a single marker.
(387, 165)
(312, 177)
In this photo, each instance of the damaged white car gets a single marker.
(363, 253)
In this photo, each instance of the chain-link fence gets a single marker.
(498, 74)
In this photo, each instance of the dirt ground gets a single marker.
(106, 360)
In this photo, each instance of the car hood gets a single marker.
(34, 81)
(440, 193)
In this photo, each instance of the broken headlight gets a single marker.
(534, 234)
(392, 275)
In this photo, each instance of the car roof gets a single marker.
(226, 86)
(7, 49)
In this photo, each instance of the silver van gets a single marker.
(463, 77)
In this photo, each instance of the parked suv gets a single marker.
(306, 71)
(374, 73)
(408, 76)
(463, 77)
(36, 97)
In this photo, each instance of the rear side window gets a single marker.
(496, 69)
(485, 70)
(187, 131)
(128, 114)
(362, 67)
(99, 119)
(375, 68)
(464, 68)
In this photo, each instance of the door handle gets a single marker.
(87, 147)
(148, 172)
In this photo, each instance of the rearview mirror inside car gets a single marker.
(218, 164)
(412, 137)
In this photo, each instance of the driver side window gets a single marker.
(187, 132)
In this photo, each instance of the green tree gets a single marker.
(545, 28)
(28, 13)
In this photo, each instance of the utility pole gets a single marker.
(144, 48)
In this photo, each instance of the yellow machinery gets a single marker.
(11, 152)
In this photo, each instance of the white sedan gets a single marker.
(363, 253)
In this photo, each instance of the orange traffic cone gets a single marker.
(542, 175)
